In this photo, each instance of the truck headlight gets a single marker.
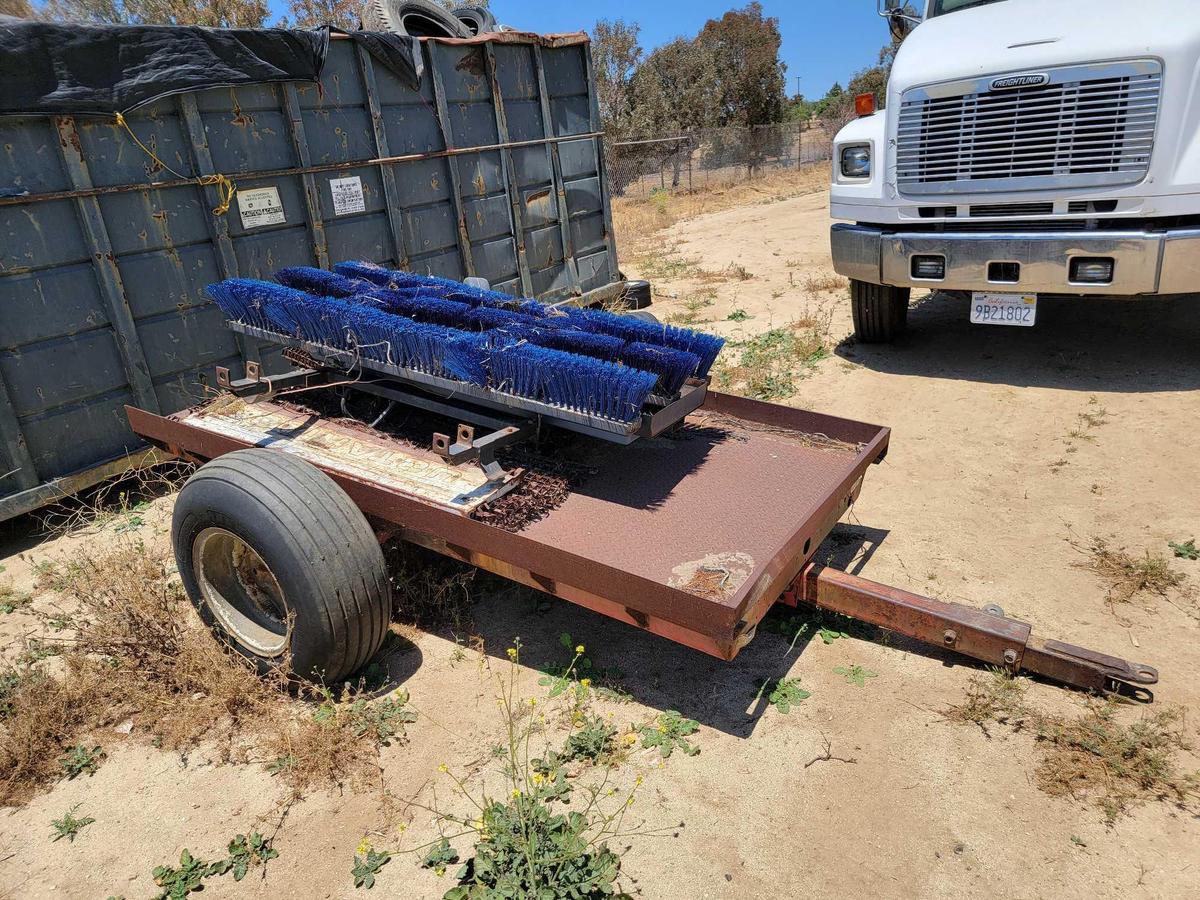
(856, 161)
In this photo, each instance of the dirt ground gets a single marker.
(986, 497)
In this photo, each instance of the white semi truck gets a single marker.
(1027, 147)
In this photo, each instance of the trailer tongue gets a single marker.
(692, 535)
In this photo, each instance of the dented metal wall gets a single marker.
(493, 169)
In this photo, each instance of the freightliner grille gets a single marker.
(1077, 131)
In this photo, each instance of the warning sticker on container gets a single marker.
(260, 206)
(347, 195)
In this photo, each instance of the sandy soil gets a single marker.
(973, 504)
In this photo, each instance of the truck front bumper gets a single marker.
(1144, 262)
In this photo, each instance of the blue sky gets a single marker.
(823, 40)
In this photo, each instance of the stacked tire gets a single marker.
(424, 18)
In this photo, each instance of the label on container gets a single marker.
(347, 195)
(260, 206)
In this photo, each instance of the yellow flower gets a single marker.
(516, 793)
(533, 701)
(629, 802)
(586, 682)
(364, 847)
(443, 768)
(640, 779)
(538, 778)
(512, 653)
(579, 648)
(629, 739)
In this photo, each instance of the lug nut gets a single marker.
(949, 637)
(1010, 657)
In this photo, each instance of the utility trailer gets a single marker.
(692, 532)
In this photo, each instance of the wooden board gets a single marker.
(368, 457)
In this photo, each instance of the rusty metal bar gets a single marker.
(391, 195)
(312, 199)
(986, 636)
(104, 263)
(218, 226)
(58, 488)
(443, 117)
(510, 174)
(556, 176)
(282, 173)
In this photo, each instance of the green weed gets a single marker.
(80, 760)
(367, 867)
(738, 315)
(669, 731)
(69, 826)
(1185, 550)
(855, 674)
(440, 856)
(782, 693)
(245, 852)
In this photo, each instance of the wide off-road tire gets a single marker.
(419, 18)
(281, 564)
(880, 311)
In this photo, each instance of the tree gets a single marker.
(615, 57)
(743, 48)
(212, 13)
(18, 8)
(312, 13)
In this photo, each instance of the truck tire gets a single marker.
(280, 563)
(478, 19)
(880, 311)
(418, 18)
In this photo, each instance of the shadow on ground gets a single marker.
(1084, 344)
(664, 675)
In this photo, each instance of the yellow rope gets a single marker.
(226, 187)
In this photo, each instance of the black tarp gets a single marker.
(82, 69)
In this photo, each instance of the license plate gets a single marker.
(1003, 309)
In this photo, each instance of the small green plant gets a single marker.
(668, 731)
(80, 760)
(440, 856)
(1185, 549)
(381, 720)
(593, 740)
(12, 600)
(829, 635)
(367, 867)
(131, 523)
(177, 883)
(739, 315)
(245, 852)
(782, 693)
(855, 674)
(1078, 841)
(69, 826)
(282, 764)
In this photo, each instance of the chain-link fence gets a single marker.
(712, 157)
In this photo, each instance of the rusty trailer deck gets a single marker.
(692, 535)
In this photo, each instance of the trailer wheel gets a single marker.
(880, 311)
(279, 562)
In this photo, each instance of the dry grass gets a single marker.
(133, 650)
(1098, 759)
(768, 365)
(430, 591)
(637, 219)
(825, 282)
(994, 697)
(1093, 757)
(1128, 576)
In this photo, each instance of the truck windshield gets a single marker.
(941, 7)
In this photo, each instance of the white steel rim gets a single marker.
(241, 591)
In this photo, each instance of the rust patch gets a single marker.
(715, 577)
(472, 63)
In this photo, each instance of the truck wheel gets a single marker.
(880, 311)
(280, 563)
